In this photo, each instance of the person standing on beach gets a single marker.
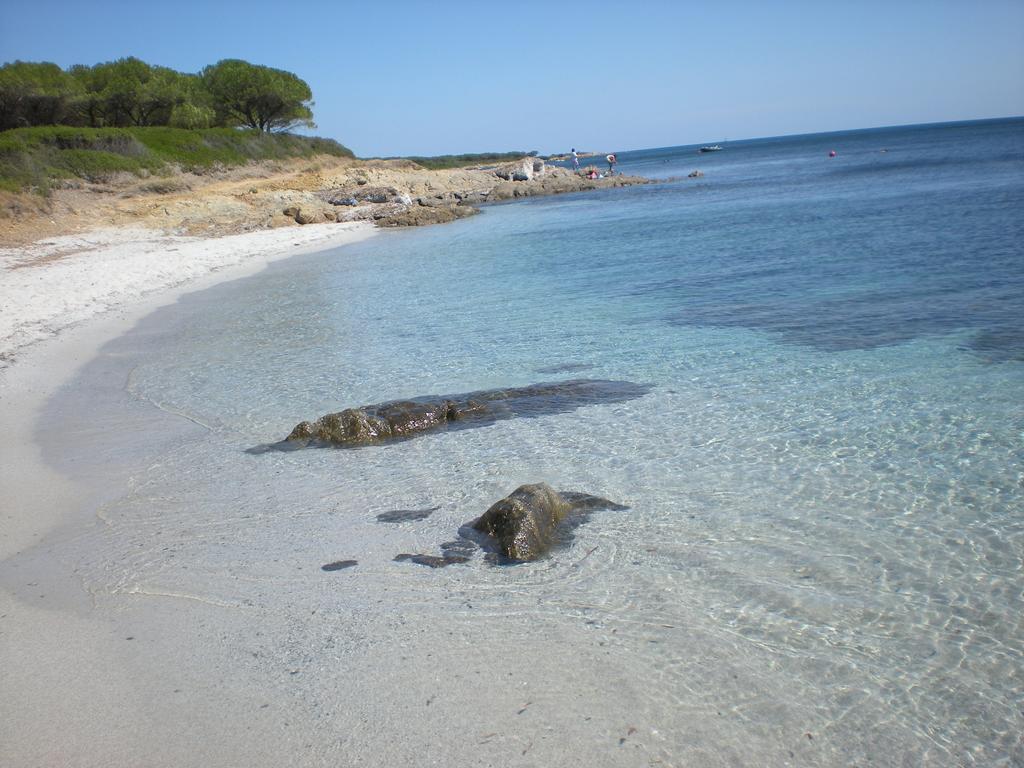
(611, 164)
(575, 160)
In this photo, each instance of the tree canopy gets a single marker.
(258, 97)
(34, 93)
(129, 92)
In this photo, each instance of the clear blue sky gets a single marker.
(393, 77)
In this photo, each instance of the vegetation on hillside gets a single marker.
(131, 93)
(461, 161)
(33, 158)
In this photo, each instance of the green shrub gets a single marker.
(93, 165)
(461, 161)
(30, 158)
(164, 186)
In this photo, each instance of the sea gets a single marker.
(822, 559)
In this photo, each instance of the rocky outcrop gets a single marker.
(308, 215)
(418, 215)
(520, 170)
(400, 419)
(526, 523)
(555, 182)
(523, 526)
(390, 206)
(324, 188)
(365, 194)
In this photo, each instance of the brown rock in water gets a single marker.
(407, 418)
(401, 418)
(526, 523)
(523, 524)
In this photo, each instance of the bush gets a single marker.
(92, 164)
(30, 158)
(191, 116)
(164, 186)
(461, 161)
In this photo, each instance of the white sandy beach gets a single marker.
(60, 301)
(57, 283)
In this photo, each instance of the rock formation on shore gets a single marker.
(275, 193)
(399, 419)
(390, 206)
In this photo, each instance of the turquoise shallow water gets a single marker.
(822, 563)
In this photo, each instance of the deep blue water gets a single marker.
(906, 232)
(825, 477)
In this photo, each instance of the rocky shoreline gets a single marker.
(275, 194)
(395, 206)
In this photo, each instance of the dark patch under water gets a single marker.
(432, 561)
(868, 250)
(864, 321)
(999, 346)
(339, 565)
(405, 515)
(564, 368)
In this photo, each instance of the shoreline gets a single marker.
(68, 664)
(59, 282)
(101, 292)
(62, 297)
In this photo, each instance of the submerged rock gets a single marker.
(564, 368)
(405, 515)
(400, 419)
(432, 561)
(521, 527)
(525, 524)
(339, 565)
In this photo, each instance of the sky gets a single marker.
(398, 77)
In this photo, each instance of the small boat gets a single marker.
(713, 148)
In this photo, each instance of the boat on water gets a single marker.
(712, 148)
